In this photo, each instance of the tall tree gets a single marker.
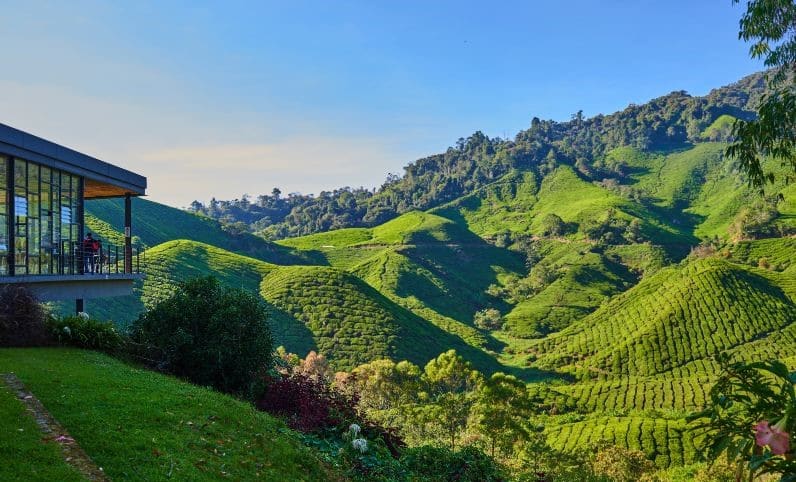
(451, 383)
(770, 25)
(503, 412)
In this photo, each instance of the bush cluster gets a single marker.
(307, 403)
(22, 318)
(210, 334)
(434, 464)
(84, 332)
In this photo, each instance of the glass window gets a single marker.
(3, 216)
(45, 220)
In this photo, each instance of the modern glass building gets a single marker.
(43, 188)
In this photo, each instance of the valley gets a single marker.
(621, 254)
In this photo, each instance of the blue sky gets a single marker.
(225, 98)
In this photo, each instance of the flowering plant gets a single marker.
(750, 418)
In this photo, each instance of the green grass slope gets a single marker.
(26, 455)
(140, 425)
(586, 278)
(503, 206)
(515, 204)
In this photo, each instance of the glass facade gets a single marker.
(4, 216)
(43, 230)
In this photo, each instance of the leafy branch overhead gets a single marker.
(770, 25)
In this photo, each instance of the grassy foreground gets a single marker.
(25, 456)
(140, 425)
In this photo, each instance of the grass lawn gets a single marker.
(140, 425)
(24, 454)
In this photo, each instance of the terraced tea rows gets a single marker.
(660, 393)
(666, 442)
(352, 323)
(671, 319)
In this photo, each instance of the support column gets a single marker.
(128, 234)
(81, 229)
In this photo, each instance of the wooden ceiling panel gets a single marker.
(96, 189)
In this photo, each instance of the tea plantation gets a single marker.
(589, 269)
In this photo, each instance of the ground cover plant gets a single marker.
(84, 332)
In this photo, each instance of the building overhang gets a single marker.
(71, 287)
(101, 178)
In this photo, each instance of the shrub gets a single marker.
(368, 460)
(442, 464)
(209, 334)
(308, 404)
(488, 319)
(85, 333)
(621, 464)
(719, 471)
(553, 225)
(22, 318)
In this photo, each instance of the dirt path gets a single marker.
(55, 432)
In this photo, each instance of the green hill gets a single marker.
(155, 223)
(674, 318)
(351, 322)
(313, 307)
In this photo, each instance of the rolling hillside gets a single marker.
(673, 320)
(619, 263)
(156, 223)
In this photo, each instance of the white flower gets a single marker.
(83, 315)
(67, 330)
(354, 429)
(360, 444)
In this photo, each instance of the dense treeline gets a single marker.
(671, 121)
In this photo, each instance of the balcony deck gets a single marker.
(78, 286)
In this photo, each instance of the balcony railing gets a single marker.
(108, 259)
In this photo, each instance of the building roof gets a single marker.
(102, 179)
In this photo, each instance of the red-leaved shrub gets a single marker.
(307, 404)
(310, 405)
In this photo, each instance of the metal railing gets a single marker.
(109, 259)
